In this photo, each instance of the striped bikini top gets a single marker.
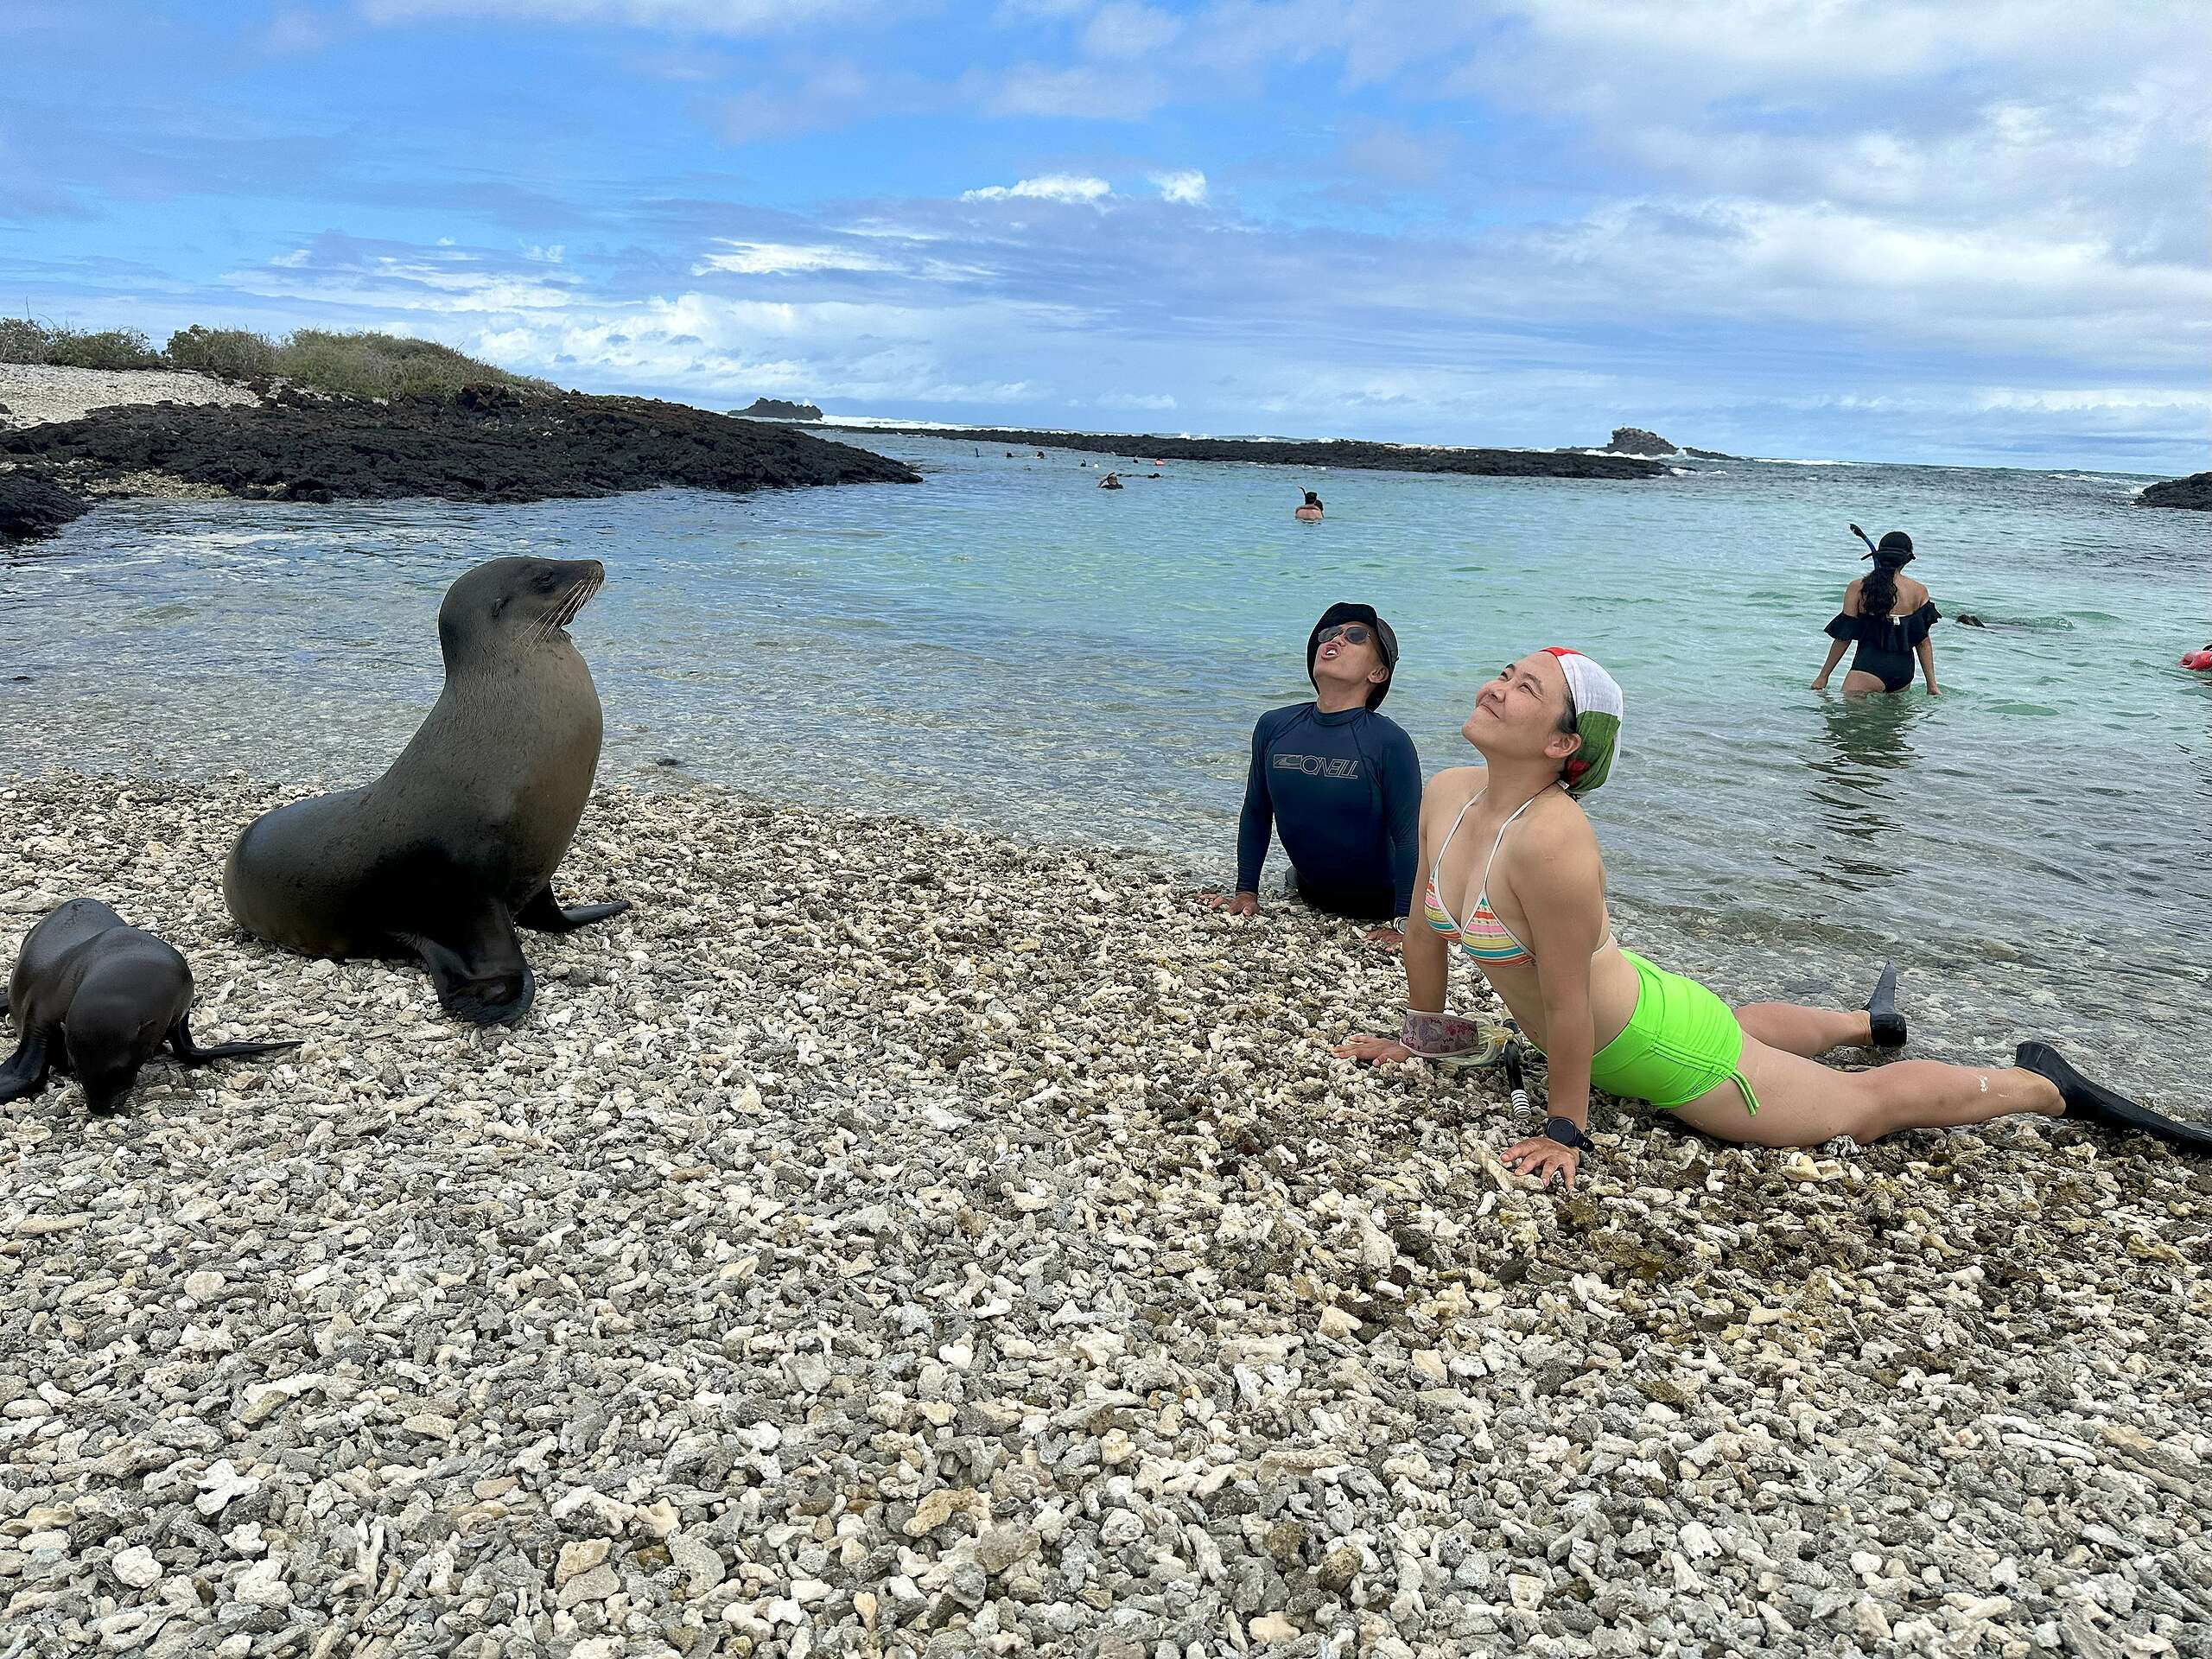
(1482, 936)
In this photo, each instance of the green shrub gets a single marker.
(351, 364)
(22, 340)
(366, 364)
(344, 364)
(108, 349)
(232, 353)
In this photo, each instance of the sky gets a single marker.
(1848, 229)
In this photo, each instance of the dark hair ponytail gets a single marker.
(1878, 590)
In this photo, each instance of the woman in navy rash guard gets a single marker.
(1339, 783)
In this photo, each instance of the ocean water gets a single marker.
(1006, 645)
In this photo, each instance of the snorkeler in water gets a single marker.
(1888, 615)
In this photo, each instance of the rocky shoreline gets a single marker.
(2193, 493)
(1345, 453)
(1641, 441)
(1002, 1265)
(489, 443)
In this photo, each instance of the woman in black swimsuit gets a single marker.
(1889, 615)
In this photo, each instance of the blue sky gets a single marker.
(1847, 228)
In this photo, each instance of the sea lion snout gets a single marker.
(517, 597)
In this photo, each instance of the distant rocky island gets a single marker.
(2193, 492)
(1347, 452)
(775, 409)
(1635, 441)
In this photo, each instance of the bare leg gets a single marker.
(1797, 1030)
(1856, 683)
(1803, 1103)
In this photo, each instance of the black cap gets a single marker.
(1896, 548)
(1385, 641)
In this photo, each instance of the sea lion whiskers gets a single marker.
(581, 596)
(565, 613)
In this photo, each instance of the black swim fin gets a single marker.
(1888, 1027)
(2094, 1104)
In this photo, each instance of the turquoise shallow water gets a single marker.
(1006, 645)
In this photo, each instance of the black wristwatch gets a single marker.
(1562, 1129)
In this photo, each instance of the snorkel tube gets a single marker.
(1865, 537)
(1514, 1079)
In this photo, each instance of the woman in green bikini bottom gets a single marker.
(1516, 883)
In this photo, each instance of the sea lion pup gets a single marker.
(94, 996)
(440, 859)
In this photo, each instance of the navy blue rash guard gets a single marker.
(1343, 791)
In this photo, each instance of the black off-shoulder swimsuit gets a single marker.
(1886, 643)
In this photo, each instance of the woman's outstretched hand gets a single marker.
(1820, 684)
(1541, 1156)
(1383, 938)
(1375, 1049)
(1242, 904)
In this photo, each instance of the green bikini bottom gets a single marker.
(1680, 1042)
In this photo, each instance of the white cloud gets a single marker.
(550, 253)
(1049, 187)
(1116, 91)
(690, 16)
(2113, 400)
(1156, 401)
(435, 281)
(295, 30)
(1188, 185)
(800, 100)
(2005, 288)
(777, 258)
(1123, 28)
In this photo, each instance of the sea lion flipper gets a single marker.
(189, 1052)
(543, 914)
(25, 1071)
(480, 972)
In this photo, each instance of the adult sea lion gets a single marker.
(443, 857)
(94, 996)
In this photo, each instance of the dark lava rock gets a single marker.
(2194, 492)
(1320, 451)
(775, 409)
(488, 443)
(1635, 441)
(32, 504)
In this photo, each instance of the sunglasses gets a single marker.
(1352, 633)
